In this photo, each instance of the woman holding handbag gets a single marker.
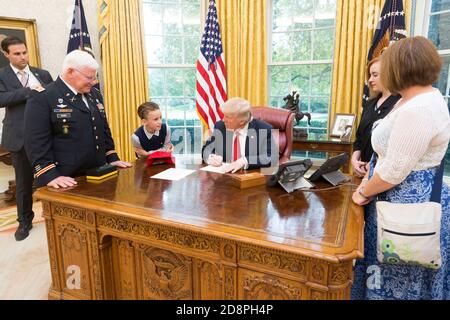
(407, 231)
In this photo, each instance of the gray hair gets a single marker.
(239, 105)
(79, 59)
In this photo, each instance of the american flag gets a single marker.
(391, 27)
(79, 37)
(211, 82)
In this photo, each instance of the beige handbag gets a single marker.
(409, 233)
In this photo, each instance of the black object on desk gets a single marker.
(100, 173)
(290, 175)
(330, 170)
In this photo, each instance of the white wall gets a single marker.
(53, 20)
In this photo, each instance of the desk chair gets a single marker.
(280, 119)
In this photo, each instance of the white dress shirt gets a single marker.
(32, 80)
(75, 92)
(242, 140)
(137, 144)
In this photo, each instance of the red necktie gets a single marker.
(236, 148)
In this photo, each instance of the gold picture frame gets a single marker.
(341, 124)
(26, 30)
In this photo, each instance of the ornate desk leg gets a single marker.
(330, 281)
(74, 253)
(55, 288)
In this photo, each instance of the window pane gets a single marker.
(173, 50)
(321, 79)
(153, 45)
(189, 82)
(156, 85)
(276, 101)
(176, 111)
(191, 49)
(440, 5)
(323, 44)
(174, 82)
(300, 78)
(191, 113)
(325, 13)
(282, 15)
(298, 39)
(153, 14)
(280, 81)
(320, 105)
(319, 120)
(301, 45)
(303, 15)
(172, 29)
(439, 30)
(443, 78)
(280, 47)
(172, 20)
(191, 19)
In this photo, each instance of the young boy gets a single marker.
(153, 135)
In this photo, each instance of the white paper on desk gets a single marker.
(220, 169)
(173, 174)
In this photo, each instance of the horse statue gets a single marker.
(292, 101)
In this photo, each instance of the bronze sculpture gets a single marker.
(292, 104)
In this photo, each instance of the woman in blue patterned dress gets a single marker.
(410, 144)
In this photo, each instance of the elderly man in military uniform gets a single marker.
(67, 132)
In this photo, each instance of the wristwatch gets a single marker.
(361, 193)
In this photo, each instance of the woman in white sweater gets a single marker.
(410, 144)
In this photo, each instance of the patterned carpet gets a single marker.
(8, 216)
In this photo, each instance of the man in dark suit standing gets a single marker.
(17, 82)
(240, 140)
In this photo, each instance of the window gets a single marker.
(301, 57)
(436, 26)
(172, 37)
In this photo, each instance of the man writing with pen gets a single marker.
(240, 140)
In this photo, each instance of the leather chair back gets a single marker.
(280, 119)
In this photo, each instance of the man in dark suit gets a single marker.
(240, 140)
(67, 130)
(17, 82)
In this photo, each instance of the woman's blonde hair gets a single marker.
(410, 62)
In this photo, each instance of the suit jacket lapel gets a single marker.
(14, 81)
(228, 156)
(251, 128)
(37, 76)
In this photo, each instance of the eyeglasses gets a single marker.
(94, 78)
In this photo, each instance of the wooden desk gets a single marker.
(334, 146)
(133, 237)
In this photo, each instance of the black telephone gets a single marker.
(288, 173)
